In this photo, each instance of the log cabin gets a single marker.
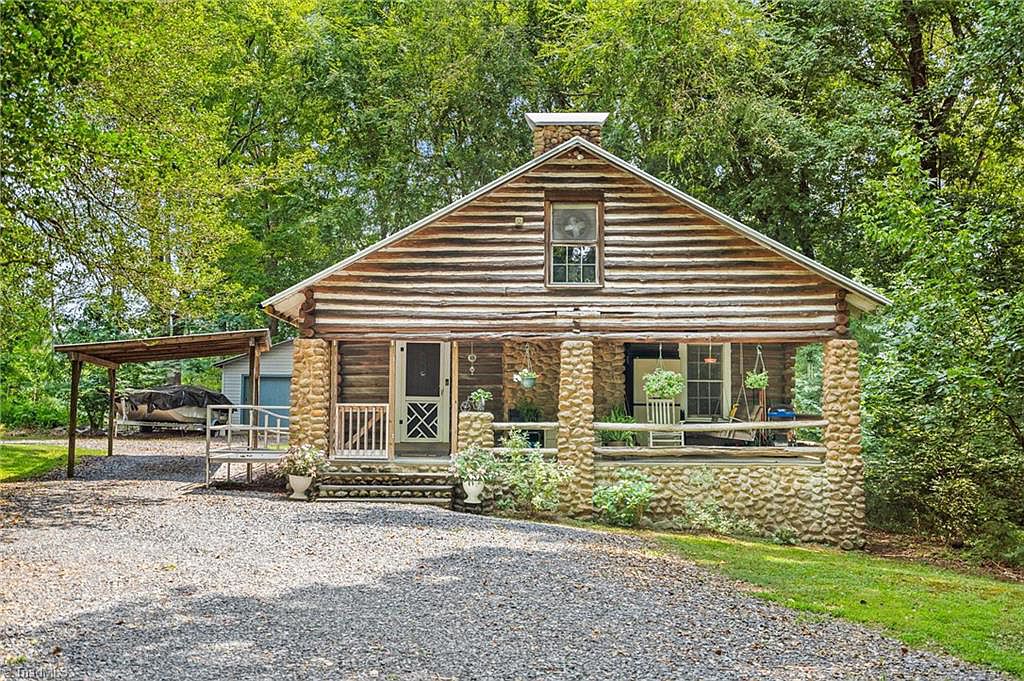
(587, 271)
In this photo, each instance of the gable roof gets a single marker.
(860, 296)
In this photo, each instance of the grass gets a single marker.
(975, 618)
(21, 461)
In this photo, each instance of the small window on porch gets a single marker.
(574, 255)
(708, 381)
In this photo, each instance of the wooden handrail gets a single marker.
(710, 427)
(525, 425)
(700, 450)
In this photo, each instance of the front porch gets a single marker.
(394, 405)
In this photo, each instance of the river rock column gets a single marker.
(840, 406)
(475, 429)
(310, 393)
(576, 424)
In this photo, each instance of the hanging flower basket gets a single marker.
(525, 377)
(662, 384)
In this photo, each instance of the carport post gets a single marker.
(254, 391)
(76, 374)
(111, 381)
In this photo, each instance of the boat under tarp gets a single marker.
(170, 404)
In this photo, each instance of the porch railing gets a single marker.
(361, 431)
(809, 450)
(263, 428)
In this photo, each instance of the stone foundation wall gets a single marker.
(310, 392)
(576, 424)
(769, 496)
(840, 405)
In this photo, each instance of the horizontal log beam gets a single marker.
(528, 425)
(708, 427)
(736, 452)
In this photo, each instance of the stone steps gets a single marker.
(386, 486)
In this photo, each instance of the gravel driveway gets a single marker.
(131, 572)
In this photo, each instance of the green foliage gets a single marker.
(664, 384)
(22, 461)
(756, 380)
(304, 460)
(624, 502)
(528, 410)
(709, 516)
(913, 602)
(530, 482)
(618, 415)
(479, 397)
(474, 463)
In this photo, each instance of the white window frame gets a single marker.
(596, 243)
(726, 379)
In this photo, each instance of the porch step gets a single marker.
(446, 503)
(415, 487)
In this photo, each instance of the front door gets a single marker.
(422, 381)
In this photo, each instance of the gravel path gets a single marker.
(131, 572)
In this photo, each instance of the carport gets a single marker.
(112, 354)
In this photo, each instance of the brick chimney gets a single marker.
(551, 129)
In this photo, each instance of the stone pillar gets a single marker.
(576, 424)
(475, 429)
(840, 406)
(310, 396)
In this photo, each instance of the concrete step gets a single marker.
(385, 488)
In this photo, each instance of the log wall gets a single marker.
(671, 273)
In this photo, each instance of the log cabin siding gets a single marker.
(365, 372)
(487, 374)
(670, 272)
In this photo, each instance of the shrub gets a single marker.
(476, 463)
(305, 460)
(999, 542)
(618, 415)
(625, 502)
(531, 482)
(708, 516)
(664, 384)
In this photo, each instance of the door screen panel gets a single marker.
(423, 369)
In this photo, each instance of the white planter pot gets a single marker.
(299, 485)
(473, 488)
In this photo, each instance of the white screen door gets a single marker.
(421, 386)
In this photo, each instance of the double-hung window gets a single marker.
(574, 243)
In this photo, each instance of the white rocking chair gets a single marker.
(664, 413)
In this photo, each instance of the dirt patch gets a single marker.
(932, 551)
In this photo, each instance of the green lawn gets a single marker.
(972, 617)
(21, 461)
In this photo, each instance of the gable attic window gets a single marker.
(574, 242)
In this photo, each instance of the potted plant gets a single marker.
(475, 467)
(756, 380)
(662, 384)
(525, 411)
(478, 398)
(618, 438)
(525, 377)
(301, 464)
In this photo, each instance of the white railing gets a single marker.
(361, 431)
(263, 428)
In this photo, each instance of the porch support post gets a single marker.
(475, 429)
(76, 375)
(840, 406)
(111, 385)
(310, 392)
(332, 411)
(576, 424)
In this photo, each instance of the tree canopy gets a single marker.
(182, 161)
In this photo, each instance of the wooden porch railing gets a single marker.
(361, 431)
(784, 451)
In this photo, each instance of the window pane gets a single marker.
(590, 274)
(574, 222)
(558, 274)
